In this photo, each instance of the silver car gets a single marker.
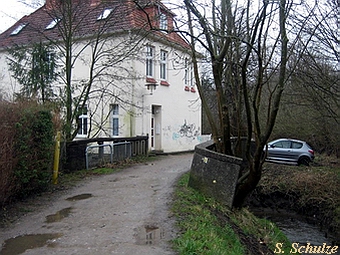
(289, 151)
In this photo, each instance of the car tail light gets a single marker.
(311, 152)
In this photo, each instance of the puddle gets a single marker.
(20, 244)
(58, 216)
(149, 235)
(79, 197)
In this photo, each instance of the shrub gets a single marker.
(26, 149)
(9, 114)
(33, 148)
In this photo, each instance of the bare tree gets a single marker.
(249, 52)
(311, 98)
(100, 53)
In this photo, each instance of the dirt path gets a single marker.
(123, 213)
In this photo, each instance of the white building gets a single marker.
(119, 103)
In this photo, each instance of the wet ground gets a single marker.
(299, 230)
(123, 213)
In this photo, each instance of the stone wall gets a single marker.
(214, 174)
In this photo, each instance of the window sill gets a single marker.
(150, 80)
(191, 89)
(165, 83)
(80, 136)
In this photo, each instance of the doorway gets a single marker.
(156, 128)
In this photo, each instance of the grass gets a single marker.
(208, 228)
(265, 231)
(314, 189)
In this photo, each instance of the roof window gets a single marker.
(163, 21)
(53, 23)
(105, 14)
(19, 28)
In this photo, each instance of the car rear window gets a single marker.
(309, 147)
(296, 145)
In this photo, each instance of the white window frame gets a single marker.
(186, 72)
(150, 53)
(53, 23)
(163, 65)
(105, 14)
(83, 122)
(18, 29)
(115, 119)
(163, 21)
(191, 76)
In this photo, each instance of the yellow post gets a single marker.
(56, 159)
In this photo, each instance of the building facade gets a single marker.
(131, 74)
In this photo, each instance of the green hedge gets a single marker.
(31, 137)
(33, 148)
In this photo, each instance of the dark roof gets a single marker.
(125, 15)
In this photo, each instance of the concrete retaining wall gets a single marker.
(214, 174)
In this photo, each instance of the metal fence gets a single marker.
(89, 153)
(97, 155)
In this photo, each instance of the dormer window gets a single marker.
(19, 28)
(163, 22)
(104, 14)
(53, 23)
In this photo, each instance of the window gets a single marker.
(53, 23)
(19, 28)
(115, 119)
(188, 74)
(149, 61)
(282, 144)
(82, 122)
(191, 76)
(297, 145)
(163, 62)
(43, 64)
(163, 22)
(105, 14)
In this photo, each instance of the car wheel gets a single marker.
(304, 161)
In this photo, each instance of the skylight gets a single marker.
(19, 28)
(104, 14)
(53, 23)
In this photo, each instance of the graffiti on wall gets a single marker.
(188, 130)
(182, 133)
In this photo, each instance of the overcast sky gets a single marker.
(12, 10)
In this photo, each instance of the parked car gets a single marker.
(289, 151)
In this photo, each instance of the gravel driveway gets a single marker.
(123, 213)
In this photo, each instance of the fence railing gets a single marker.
(97, 155)
(86, 153)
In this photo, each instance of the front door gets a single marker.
(156, 127)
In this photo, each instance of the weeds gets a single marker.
(207, 227)
(313, 191)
